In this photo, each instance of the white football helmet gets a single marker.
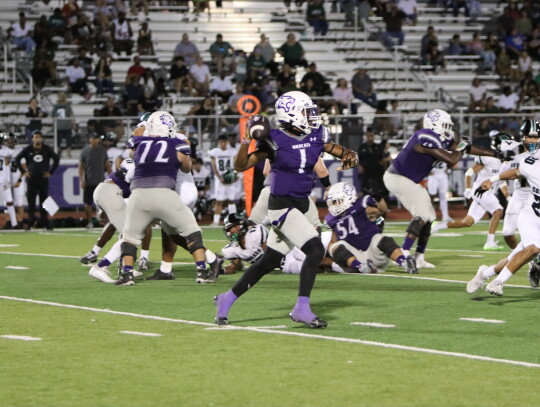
(161, 124)
(297, 113)
(439, 121)
(341, 196)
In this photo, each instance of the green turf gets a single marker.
(84, 360)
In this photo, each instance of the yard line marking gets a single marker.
(17, 267)
(20, 338)
(140, 333)
(9, 245)
(290, 333)
(488, 321)
(469, 255)
(374, 324)
(233, 327)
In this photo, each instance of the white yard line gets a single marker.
(374, 324)
(151, 334)
(487, 321)
(279, 332)
(20, 338)
(17, 268)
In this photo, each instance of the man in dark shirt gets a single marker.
(318, 79)
(37, 170)
(370, 163)
(111, 110)
(393, 18)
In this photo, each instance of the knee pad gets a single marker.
(426, 230)
(194, 241)
(313, 246)
(387, 245)
(341, 254)
(128, 249)
(416, 225)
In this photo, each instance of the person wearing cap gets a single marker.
(37, 170)
(93, 163)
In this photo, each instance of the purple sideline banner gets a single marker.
(65, 190)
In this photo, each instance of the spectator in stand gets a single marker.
(63, 113)
(179, 77)
(362, 86)
(37, 170)
(506, 22)
(148, 80)
(396, 116)
(230, 123)
(200, 75)
(21, 37)
(382, 124)
(58, 24)
(435, 58)
(489, 59)
(298, 4)
(455, 47)
(524, 64)
(222, 53)
(136, 70)
(70, 11)
(429, 38)
(35, 114)
(132, 95)
(137, 5)
(477, 93)
(343, 96)
(491, 108)
(76, 78)
(460, 4)
(268, 53)
(115, 125)
(524, 25)
(316, 17)
(319, 81)
(187, 50)
(149, 102)
(534, 44)
(256, 62)
(475, 9)
(515, 43)
(85, 61)
(103, 74)
(103, 15)
(504, 66)
(493, 42)
(409, 8)
(528, 89)
(202, 124)
(42, 30)
(253, 85)
(145, 45)
(292, 52)
(44, 64)
(284, 78)
(238, 94)
(239, 66)
(508, 100)
(122, 34)
(222, 87)
(82, 33)
(476, 45)
(393, 19)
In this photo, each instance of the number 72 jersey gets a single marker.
(293, 159)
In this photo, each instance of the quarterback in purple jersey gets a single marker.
(293, 150)
(435, 142)
(357, 241)
(158, 155)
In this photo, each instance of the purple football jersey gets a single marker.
(353, 226)
(416, 166)
(293, 160)
(156, 162)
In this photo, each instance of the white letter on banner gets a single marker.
(70, 176)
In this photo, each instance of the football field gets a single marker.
(393, 339)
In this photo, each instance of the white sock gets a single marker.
(209, 256)
(231, 208)
(443, 204)
(503, 276)
(145, 253)
(165, 267)
(12, 216)
(115, 252)
(489, 272)
(96, 249)
(217, 216)
(490, 238)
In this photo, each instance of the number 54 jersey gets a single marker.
(293, 159)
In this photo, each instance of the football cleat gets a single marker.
(436, 226)
(368, 267)
(125, 279)
(422, 264)
(478, 281)
(143, 264)
(221, 321)
(205, 276)
(223, 303)
(89, 257)
(215, 267)
(137, 274)
(493, 247)
(160, 275)
(534, 274)
(495, 288)
(312, 323)
(411, 265)
(101, 273)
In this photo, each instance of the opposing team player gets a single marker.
(484, 168)
(6, 160)
(528, 219)
(435, 142)
(357, 241)
(437, 185)
(293, 149)
(157, 157)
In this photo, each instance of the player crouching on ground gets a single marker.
(357, 241)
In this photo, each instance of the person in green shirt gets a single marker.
(292, 52)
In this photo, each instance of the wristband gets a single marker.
(325, 181)
(246, 141)
(495, 178)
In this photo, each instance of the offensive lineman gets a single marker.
(294, 149)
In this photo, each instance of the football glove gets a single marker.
(229, 177)
(468, 193)
(464, 145)
(505, 155)
(479, 192)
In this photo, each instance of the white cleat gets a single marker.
(493, 247)
(436, 226)
(136, 273)
(421, 263)
(101, 273)
(478, 281)
(495, 288)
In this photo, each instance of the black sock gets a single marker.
(268, 262)
(314, 251)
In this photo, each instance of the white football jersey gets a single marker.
(5, 169)
(254, 239)
(491, 167)
(529, 167)
(113, 153)
(15, 172)
(128, 168)
(200, 177)
(439, 167)
(224, 159)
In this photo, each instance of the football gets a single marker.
(259, 127)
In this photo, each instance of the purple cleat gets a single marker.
(223, 303)
(305, 316)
